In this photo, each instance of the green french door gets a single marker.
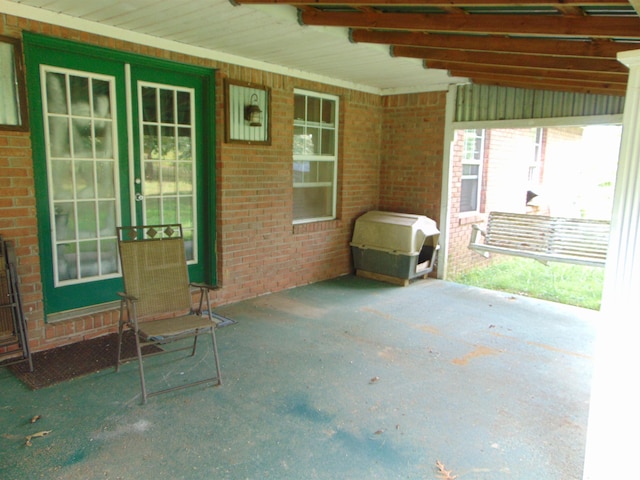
(168, 162)
(117, 141)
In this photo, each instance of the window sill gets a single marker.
(82, 312)
(321, 226)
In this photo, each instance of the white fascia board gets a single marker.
(630, 58)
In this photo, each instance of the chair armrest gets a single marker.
(124, 296)
(204, 286)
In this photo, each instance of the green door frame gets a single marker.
(41, 49)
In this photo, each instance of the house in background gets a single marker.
(131, 125)
(553, 171)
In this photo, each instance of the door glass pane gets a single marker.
(64, 221)
(168, 158)
(66, 258)
(79, 93)
(153, 209)
(184, 143)
(59, 145)
(62, 170)
(167, 98)
(107, 215)
(184, 108)
(81, 161)
(87, 221)
(109, 260)
(150, 107)
(150, 135)
(169, 178)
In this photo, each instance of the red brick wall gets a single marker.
(412, 142)
(459, 257)
(259, 250)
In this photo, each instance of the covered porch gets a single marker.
(345, 378)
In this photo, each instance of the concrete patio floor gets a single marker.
(344, 379)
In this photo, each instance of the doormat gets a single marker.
(76, 360)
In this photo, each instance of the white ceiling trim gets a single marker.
(59, 19)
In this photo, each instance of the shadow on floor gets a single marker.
(344, 379)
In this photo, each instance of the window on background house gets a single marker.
(534, 168)
(315, 156)
(472, 156)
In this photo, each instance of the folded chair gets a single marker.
(157, 301)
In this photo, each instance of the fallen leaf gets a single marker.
(43, 433)
(443, 472)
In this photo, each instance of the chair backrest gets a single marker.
(154, 269)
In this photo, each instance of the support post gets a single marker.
(614, 417)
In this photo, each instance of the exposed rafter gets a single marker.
(562, 44)
(599, 48)
(511, 59)
(560, 26)
(441, 3)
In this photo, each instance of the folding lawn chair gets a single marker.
(157, 301)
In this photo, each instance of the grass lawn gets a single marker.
(557, 282)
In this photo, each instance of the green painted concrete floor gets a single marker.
(344, 379)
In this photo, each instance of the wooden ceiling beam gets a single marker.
(543, 84)
(442, 3)
(539, 46)
(621, 27)
(569, 10)
(517, 60)
(468, 70)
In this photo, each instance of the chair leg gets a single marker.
(215, 355)
(141, 369)
(119, 352)
(195, 342)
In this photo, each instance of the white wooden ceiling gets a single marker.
(266, 37)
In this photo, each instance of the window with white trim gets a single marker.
(315, 156)
(472, 157)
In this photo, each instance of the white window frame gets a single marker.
(476, 159)
(189, 231)
(319, 158)
(76, 240)
(534, 167)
